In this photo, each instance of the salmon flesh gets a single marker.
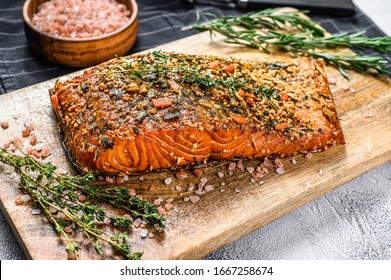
(164, 110)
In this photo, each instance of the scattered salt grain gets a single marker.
(132, 192)
(4, 125)
(141, 178)
(204, 180)
(181, 175)
(209, 188)
(294, 161)
(278, 162)
(222, 184)
(178, 188)
(352, 90)
(186, 199)
(168, 181)
(170, 199)
(332, 81)
(367, 114)
(345, 87)
(197, 172)
(137, 222)
(168, 206)
(150, 235)
(231, 166)
(280, 170)
(144, 233)
(220, 174)
(308, 155)
(194, 198)
(25, 198)
(36, 211)
(237, 190)
(320, 172)
(239, 164)
(250, 169)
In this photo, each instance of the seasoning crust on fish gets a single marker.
(168, 110)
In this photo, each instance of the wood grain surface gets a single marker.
(228, 212)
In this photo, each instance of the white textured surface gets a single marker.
(379, 11)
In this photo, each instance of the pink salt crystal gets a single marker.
(308, 156)
(132, 192)
(278, 162)
(231, 166)
(181, 175)
(137, 222)
(168, 206)
(109, 180)
(239, 164)
(144, 233)
(4, 125)
(168, 181)
(197, 172)
(45, 152)
(209, 188)
(332, 80)
(120, 180)
(220, 174)
(280, 170)
(367, 114)
(250, 169)
(186, 199)
(345, 87)
(170, 199)
(194, 198)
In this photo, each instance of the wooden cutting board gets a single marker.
(228, 212)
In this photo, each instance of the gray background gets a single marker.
(352, 222)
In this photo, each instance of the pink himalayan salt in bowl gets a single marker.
(80, 33)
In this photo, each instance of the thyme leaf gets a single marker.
(58, 196)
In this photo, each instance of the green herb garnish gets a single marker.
(270, 27)
(59, 197)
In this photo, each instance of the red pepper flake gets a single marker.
(282, 126)
(120, 180)
(278, 162)
(250, 169)
(4, 125)
(240, 164)
(82, 198)
(239, 119)
(18, 200)
(36, 154)
(213, 65)
(161, 210)
(152, 188)
(161, 102)
(228, 68)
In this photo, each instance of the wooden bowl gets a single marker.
(80, 52)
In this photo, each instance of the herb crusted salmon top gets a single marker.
(165, 110)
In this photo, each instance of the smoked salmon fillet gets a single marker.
(164, 110)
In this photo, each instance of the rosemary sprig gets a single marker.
(263, 29)
(58, 196)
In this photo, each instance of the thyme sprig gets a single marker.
(266, 28)
(59, 197)
(186, 73)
